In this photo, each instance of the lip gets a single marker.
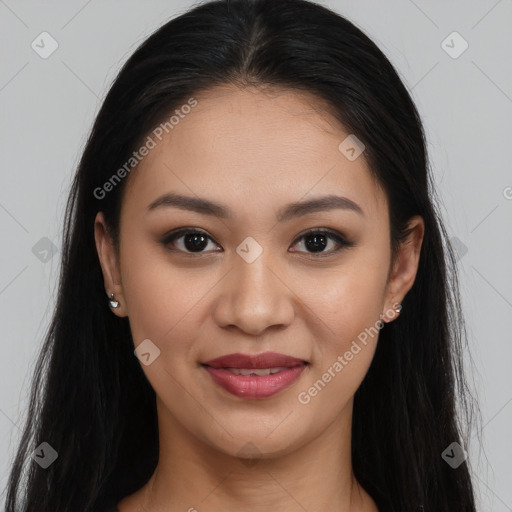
(263, 360)
(255, 386)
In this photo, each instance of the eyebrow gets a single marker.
(292, 210)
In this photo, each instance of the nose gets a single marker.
(253, 297)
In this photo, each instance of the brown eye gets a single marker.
(187, 240)
(193, 241)
(317, 241)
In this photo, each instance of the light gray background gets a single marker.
(48, 105)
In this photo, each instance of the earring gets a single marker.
(113, 303)
(396, 308)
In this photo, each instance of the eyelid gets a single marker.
(342, 241)
(173, 235)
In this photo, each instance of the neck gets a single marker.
(191, 475)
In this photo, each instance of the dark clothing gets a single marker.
(382, 505)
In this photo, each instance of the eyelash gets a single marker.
(333, 235)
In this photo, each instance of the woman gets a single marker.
(256, 309)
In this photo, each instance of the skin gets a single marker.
(254, 151)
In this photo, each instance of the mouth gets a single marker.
(255, 377)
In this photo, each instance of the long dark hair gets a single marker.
(90, 399)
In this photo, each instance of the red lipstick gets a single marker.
(256, 377)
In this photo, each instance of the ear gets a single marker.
(109, 264)
(404, 269)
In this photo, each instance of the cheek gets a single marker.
(347, 300)
(166, 304)
(342, 359)
(162, 299)
(349, 303)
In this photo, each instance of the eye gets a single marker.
(192, 240)
(317, 240)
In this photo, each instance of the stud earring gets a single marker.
(113, 303)
(396, 308)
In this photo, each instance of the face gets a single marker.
(258, 271)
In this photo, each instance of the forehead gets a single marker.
(253, 146)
